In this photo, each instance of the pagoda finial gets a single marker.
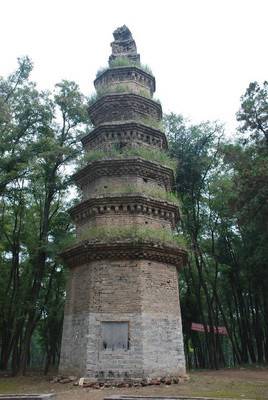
(124, 45)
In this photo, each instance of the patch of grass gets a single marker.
(152, 123)
(155, 193)
(119, 88)
(156, 155)
(124, 62)
(122, 88)
(136, 234)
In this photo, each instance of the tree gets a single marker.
(253, 112)
(23, 113)
(196, 148)
(223, 189)
(34, 214)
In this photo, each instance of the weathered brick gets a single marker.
(134, 284)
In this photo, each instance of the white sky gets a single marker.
(203, 53)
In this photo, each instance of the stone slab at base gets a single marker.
(167, 380)
(130, 291)
(27, 396)
(116, 397)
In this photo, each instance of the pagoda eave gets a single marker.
(123, 72)
(133, 203)
(127, 166)
(122, 106)
(123, 130)
(88, 251)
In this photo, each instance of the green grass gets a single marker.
(136, 234)
(124, 62)
(151, 122)
(201, 384)
(156, 193)
(101, 70)
(156, 155)
(122, 88)
(119, 88)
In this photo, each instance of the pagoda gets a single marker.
(122, 318)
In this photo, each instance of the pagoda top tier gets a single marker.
(124, 45)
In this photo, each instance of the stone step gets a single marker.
(119, 397)
(27, 396)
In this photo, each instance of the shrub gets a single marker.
(156, 155)
(156, 193)
(122, 88)
(124, 62)
(136, 234)
(151, 122)
(119, 88)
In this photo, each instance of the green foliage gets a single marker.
(196, 148)
(253, 112)
(151, 122)
(23, 113)
(223, 192)
(39, 132)
(121, 88)
(149, 154)
(124, 62)
(223, 188)
(157, 193)
(93, 98)
(135, 234)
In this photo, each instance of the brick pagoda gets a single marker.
(122, 316)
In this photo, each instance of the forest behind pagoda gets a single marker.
(222, 189)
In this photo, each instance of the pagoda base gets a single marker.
(156, 350)
(122, 318)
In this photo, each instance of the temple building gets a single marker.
(122, 317)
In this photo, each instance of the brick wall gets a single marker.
(143, 293)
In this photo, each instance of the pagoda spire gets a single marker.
(124, 46)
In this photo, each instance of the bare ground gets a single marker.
(233, 383)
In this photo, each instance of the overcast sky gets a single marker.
(203, 53)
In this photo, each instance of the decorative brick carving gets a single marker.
(87, 251)
(123, 106)
(124, 133)
(126, 204)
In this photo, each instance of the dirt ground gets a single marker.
(233, 383)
